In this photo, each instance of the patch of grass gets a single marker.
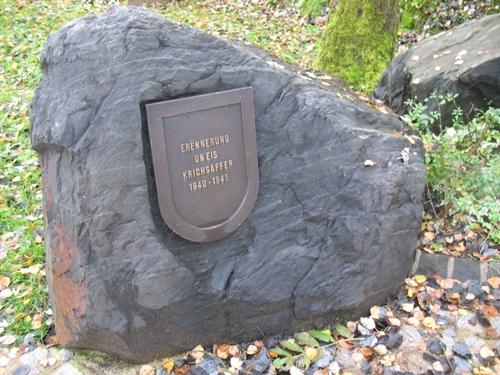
(312, 8)
(463, 164)
(24, 27)
(279, 30)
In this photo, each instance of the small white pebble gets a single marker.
(415, 58)
(486, 353)
(437, 68)
(358, 357)
(146, 370)
(334, 368)
(352, 326)
(395, 322)
(368, 323)
(408, 307)
(236, 363)
(295, 371)
(380, 349)
(387, 360)
(413, 321)
(437, 366)
(13, 352)
(459, 62)
(4, 361)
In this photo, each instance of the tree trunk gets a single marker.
(359, 41)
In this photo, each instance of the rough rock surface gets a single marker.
(327, 236)
(465, 60)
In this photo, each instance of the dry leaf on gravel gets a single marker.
(224, 351)
(168, 364)
(37, 321)
(494, 282)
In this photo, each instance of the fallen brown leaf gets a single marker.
(490, 311)
(4, 281)
(493, 281)
(345, 344)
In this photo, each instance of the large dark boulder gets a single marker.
(328, 235)
(465, 60)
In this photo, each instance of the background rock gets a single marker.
(465, 60)
(327, 237)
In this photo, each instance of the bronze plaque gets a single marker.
(205, 162)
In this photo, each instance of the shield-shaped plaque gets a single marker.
(205, 162)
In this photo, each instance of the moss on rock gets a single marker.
(359, 41)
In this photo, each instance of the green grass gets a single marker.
(24, 28)
(279, 30)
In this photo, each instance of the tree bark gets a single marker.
(359, 41)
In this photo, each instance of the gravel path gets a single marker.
(434, 326)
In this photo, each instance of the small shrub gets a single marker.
(462, 162)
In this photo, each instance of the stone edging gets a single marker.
(453, 267)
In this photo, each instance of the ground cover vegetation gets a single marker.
(432, 16)
(279, 29)
(463, 174)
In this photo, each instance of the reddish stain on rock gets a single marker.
(68, 296)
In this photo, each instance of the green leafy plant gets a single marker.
(462, 162)
(306, 347)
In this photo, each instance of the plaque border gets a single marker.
(155, 112)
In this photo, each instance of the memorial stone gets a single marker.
(331, 189)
